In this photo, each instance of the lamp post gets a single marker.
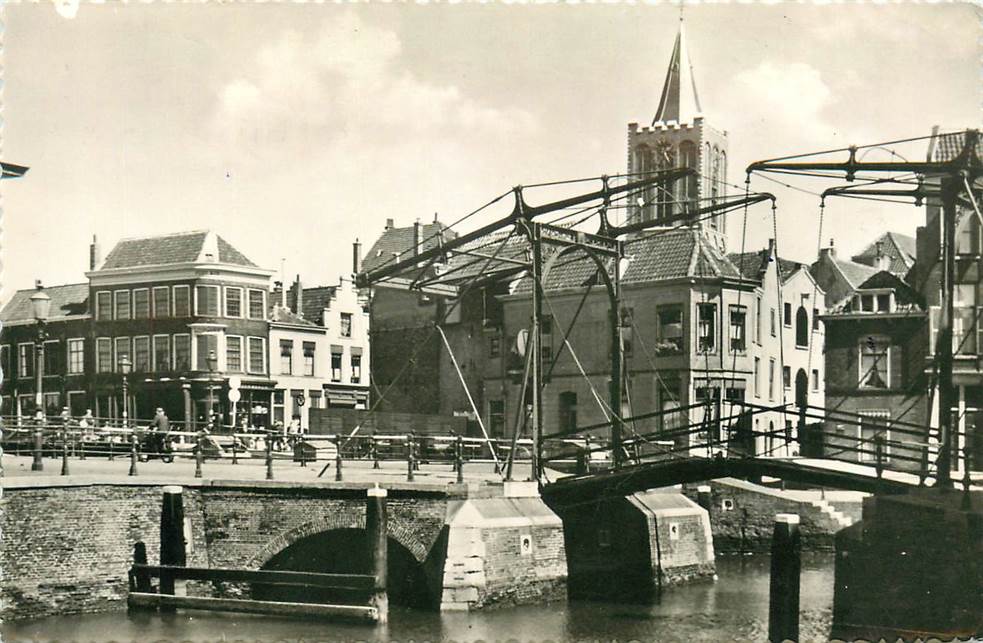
(40, 303)
(212, 363)
(124, 368)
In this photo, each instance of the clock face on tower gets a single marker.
(664, 155)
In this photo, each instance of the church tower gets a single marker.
(680, 137)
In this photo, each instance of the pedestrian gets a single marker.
(87, 421)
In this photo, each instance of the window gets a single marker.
(162, 353)
(757, 319)
(122, 298)
(815, 379)
(964, 319)
(786, 377)
(670, 330)
(627, 332)
(568, 411)
(867, 303)
(278, 396)
(875, 354)
(182, 301)
(206, 301)
(757, 377)
(286, 357)
(309, 359)
(787, 314)
(257, 355)
(772, 322)
(5, 360)
(496, 417)
(356, 368)
(52, 357)
(104, 305)
(707, 327)
(801, 327)
(494, 346)
(141, 303)
(257, 305)
(771, 379)
(872, 425)
(335, 366)
(162, 302)
(233, 302)
(122, 345)
(76, 356)
(346, 324)
(141, 354)
(182, 352)
(207, 345)
(884, 303)
(233, 354)
(104, 355)
(738, 314)
(25, 360)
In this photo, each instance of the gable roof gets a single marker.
(899, 247)
(906, 298)
(947, 146)
(69, 301)
(314, 302)
(180, 247)
(854, 273)
(281, 315)
(752, 265)
(401, 241)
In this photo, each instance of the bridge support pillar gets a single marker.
(172, 546)
(376, 519)
(783, 606)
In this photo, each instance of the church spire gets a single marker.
(679, 100)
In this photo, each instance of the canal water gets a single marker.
(732, 608)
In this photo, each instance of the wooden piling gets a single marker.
(133, 455)
(269, 455)
(199, 453)
(376, 519)
(459, 458)
(172, 546)
(142, 578)
(64, 453)
(337, 459)
(783, 606)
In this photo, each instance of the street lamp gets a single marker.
(124, 368)
(40, 304)
(212, 362)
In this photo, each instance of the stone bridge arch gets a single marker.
(397, 529)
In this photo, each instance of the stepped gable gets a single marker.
(68, 301)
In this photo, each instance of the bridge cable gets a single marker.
(781, 325)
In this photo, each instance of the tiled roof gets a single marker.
(283, 315)
(899, 247)
(314, 302)
(181, 247)
(663, 256)
(463, 267)
(70, 301)
(855, 273)
(752, 264)
(905, 297)
(401, 241)
(948, 146)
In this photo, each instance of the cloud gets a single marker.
(347, 80)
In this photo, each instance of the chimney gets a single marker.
(771, 249)
(94, 258)
(881, 260)
(280, 293)
(299, 298)
(389, 224)
(357, 256)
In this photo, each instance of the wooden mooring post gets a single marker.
(376, 520)
(172, 547)
(786, 563)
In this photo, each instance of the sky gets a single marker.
(293, 129)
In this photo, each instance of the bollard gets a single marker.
(783, 606)
(38, 464)
(172, 546)
(459, 459)
(269, 456)
(111, 456)
(133, 455)
(376, 519)
(235, 456)
(141, 578)
(703, 496)
(64, 453)
(337, 458)
(81, 445)
(409, 458)
(375, 453)
(199, 454)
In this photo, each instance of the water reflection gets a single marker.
(735, 607)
